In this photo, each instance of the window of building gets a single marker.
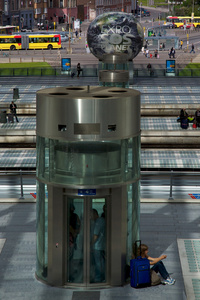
(38, 11)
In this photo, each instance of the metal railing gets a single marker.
(93, 72)
(171, 174)
(19, 173)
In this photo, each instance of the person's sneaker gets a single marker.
(169, 281)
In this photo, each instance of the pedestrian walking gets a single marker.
(149, 67)
(173, 52)
(147, 53)
(13, 110)
(192, 49)
(78, 69)
(181, 44)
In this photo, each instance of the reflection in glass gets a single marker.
(42, 231)
(105, 162)
(133, 216)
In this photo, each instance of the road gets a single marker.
(79, 54)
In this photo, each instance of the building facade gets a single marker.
(126, 6)
(17, 12)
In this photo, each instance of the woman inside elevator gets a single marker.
(98, 248)
(74, 230)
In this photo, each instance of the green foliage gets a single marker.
(186, 8)
(192, 69)
(193, 66)
(27, 69)
(26, 65)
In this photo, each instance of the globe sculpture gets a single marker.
(114, 33)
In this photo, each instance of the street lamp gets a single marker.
(88, 10)
(69, 22)
(193, 8)
(192, 17)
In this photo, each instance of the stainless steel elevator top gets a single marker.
(88, 113)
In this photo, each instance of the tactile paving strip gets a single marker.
(189, 251)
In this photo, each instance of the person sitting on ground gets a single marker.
(197, 117)
(183, 113)
(157, 264)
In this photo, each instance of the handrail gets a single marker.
(93, 72)
(17, 172)
(33, 172)
(171, 173)
(190, 173)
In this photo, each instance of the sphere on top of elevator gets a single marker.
(115, 32)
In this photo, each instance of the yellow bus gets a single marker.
(30, 41)
(8, 29)
(179, 22)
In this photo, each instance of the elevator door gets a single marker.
(87, 241)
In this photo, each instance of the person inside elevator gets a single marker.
(98, 243)
(75, 225)
(93, 217)
(74, 230)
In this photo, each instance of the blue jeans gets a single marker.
(99, 260)
(160, 267)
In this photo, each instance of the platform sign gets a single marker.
(170, 66)
(87, 192)
(66, 64)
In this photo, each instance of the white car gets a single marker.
(63, 37)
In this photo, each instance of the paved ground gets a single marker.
(161, 226)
